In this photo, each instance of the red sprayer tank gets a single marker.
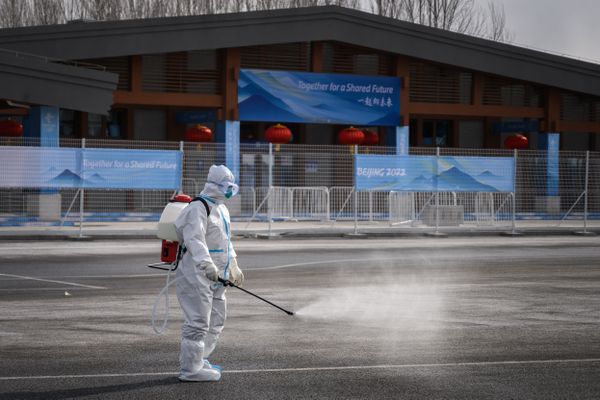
(166, 227)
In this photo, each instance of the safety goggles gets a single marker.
(227, 188)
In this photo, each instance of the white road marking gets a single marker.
(403, 366)
(55, 289)
(322, 262)
(53, 281)
(308, 369)
(92, 276)
(115, 276)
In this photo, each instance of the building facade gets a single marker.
(456, 90)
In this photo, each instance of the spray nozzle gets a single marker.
(227, 282)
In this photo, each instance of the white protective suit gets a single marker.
(202, 300)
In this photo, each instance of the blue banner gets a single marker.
(550, 142)
(35, 167)
(38, 167)
(49, 127)
(232, 147)
(131, 169)
(284, 96)
(476, 174)
(434, 174)
(383, 173)
(402, 140)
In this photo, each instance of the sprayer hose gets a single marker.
(165, 292)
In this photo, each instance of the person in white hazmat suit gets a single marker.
(208, 256)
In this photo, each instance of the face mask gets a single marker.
(229, 192)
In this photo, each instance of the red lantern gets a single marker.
(371, 138)
(278, 134)
(9, 127)
(517, 141)
(351, 136)
(198, 133)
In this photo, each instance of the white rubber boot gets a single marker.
(191, 361)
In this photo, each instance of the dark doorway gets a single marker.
(438, 132)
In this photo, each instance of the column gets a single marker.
(551, 202)
(398, 137)
(43, 123)
(228, 132)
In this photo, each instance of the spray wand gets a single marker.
(227, 282)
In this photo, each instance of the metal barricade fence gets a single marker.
(341, 202)
(276, 202)
(299, 165)
(480, 208)
(593, 188)
(247, 203)
(306, 179)
(401, 208)
(537, 200)
(371, 205)
(310, 203)
(569, 201)
(123, 204)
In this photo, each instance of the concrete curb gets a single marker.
(299, 234)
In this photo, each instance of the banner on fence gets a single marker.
(434, 174)
(131, 169)
(285, 96)
(35, 167)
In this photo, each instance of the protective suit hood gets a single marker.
(220, 183)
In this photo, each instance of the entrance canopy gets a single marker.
(41, 81)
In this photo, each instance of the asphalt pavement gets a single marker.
(380, 318)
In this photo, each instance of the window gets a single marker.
(348, 59)
(499, 91)
(285, 56)
(115, 124)
(431, 83)
(94, 129)
(182, 72)
(437, 133)
(69, 123)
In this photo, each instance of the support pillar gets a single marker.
(398, 137)
(551, 202)
(228, 132)
(43, 123)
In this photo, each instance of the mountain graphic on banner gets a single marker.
(256, 104)
(96, 178)
(253, 90)
(422, 183)
(67, 178)
(70, 178)
(487, 175)
(455, 179)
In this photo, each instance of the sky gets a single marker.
(569, 27)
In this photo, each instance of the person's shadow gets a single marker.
(91, 391)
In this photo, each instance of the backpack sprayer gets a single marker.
(171, 253)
